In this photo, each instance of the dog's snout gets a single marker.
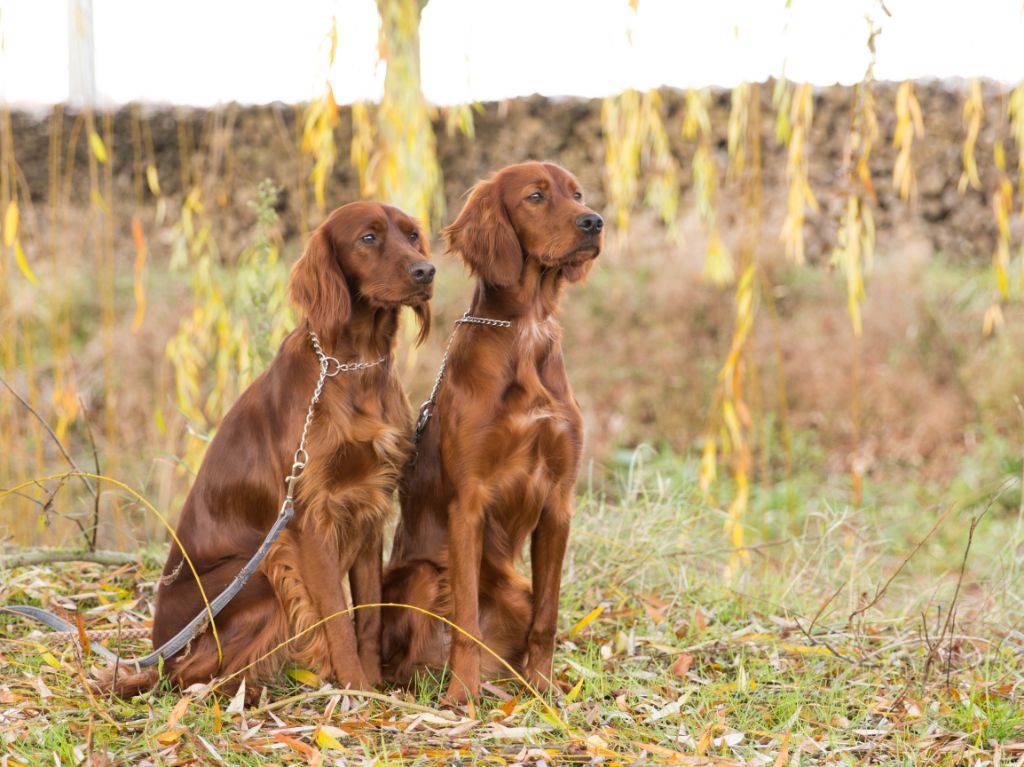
(422, 272)
(590, 223)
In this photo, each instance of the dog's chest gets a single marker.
(365, 445)
(541, 412)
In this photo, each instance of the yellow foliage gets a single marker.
(97, 146)
(798, 127)
(396, 155)
(19, 257)
(909, 124)
(11, 217)
(974, 110)
(718, 267)
(239, 317)
(635, 141)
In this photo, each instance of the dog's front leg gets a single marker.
(365, 578)
(547, 551)
(323, 569)
(465, 546)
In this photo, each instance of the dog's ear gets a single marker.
(318, 287)
(483, 236)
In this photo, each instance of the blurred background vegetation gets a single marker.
(805, 292)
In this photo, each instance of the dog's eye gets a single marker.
(577, 196)
(535, 197)
(414, 237)
(369, 239)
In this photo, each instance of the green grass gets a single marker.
(828, 646)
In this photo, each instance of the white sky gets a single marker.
(207, 51)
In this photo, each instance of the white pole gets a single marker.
(81, 72)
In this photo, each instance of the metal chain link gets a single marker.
(425, 408)
(326, 371)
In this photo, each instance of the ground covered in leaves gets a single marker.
(890, 634)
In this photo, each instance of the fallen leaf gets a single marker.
(295, 745)
(586, 620)
(237, 703)
(209, 747)
(327, 737)
(783, 754)
(83, 637)
(304, 676)
(681, 666)
(178, 711)
(656, 615)
(571, 695)
(170, 737)
(699, 621)
(509, 705)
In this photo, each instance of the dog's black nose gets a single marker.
(423, 272)
(591, 223)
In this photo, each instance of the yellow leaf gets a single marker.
(304, 676)
(327, 737)
(170, 737)
(19, 256)
(98, 149)
(571, 695)
(153, 180)
(805, 649)
(586, 620)
(217, 720)
(49, 660)
(11, 223)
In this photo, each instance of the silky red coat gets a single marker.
(359, 268)
(499, 458)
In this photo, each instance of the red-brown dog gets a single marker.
(361, 265)
(497, 462)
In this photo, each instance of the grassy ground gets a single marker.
(885, 635)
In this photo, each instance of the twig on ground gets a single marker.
(94, 531)
(880, 592)
(283, 702)
(947, 626)
(51, 556)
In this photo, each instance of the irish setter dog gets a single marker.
(498, 460)
(360, 266)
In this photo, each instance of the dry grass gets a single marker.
(867, 636)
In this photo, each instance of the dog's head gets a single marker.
(529, 211)
(365, 252)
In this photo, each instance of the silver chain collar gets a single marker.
(329, 367)
(426, 408)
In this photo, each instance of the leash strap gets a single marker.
(329, 367)
(427, 408)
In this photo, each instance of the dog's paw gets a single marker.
(458, 695)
